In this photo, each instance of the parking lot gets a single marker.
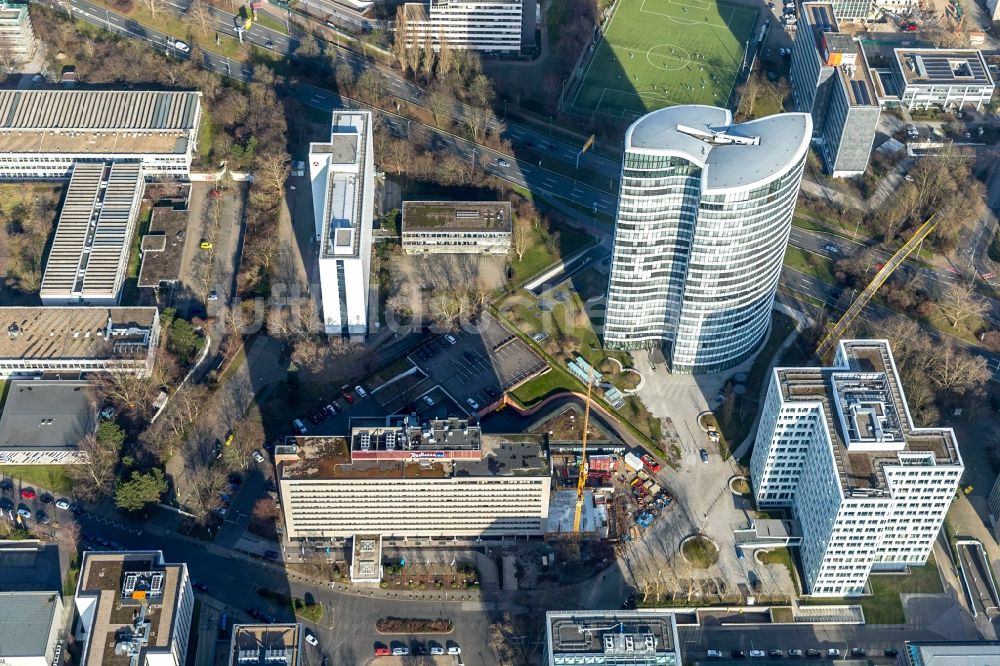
(474, 366)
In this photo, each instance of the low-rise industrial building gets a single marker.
(456, 227)
(403, 480)
(832, 81)
(44, 421)
(837, 445)
(90, 252)
(44, 132)
(342, 173)
(68, 341)
(614, 638)
(266, 645)
(134, 608)
(30, 626)
(942, 78)
(16, 33)
(163, 247)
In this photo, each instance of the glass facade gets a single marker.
(696, 270)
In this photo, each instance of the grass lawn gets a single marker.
(268, 21)
(782, 556)
(700, 552)
(537, 389)
(543, 251)
(811, 264)
(49, 477)
(884, 606)
(658, 53)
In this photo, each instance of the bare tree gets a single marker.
(440, 103)
(69, 536)
(960, 303)
(198, 14)
(427, 58)
(520, 236)
(445, 57)
(128, 391)
(477, 119)
(153, 6)
(448, 306)
(371, 86)
(248, 436)
(481, 89)
(396, 155)
(399, 49)
(8, 58)
(94, 478)
(956, 370)
(207, 487)
(271, 169)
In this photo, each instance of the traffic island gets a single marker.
(699, 551)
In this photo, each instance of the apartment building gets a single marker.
(403, 480)
(135, 607)
(636, 638)
(67, 341)
(342, 172)
(941, 78)
(703, 219)
(90, 252)
(266, 645)
(17, 39)
(832, 81)
(456, 227)
(837, 445)
(500, 26)
(44, 132)
(43, 421)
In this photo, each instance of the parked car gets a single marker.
(714, 654)
(382, 651)
(257, 456)
(400, 651)
(472, 403)
(205, 245)
(42, 517)
(348, 397)
(739, 554)
(738, 654)
(6, 484)
(27, 493)
(311, 638)
(62, 504)
(812, 652)
(428, 400)
(300, 426)
(757, 654)
(24, 512)
(361, 392)
(704, 455)
(213, 296)
(331, 409)
(45, 498)
(450, 338)
(453, 648)
(795, 652)
(775, 653)
(833, 653)
(890, 652)
(436, 649)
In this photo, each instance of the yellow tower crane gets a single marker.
(581, 481)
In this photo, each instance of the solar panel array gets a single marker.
(939, 67)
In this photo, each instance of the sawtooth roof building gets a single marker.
(90, 252)
(43, 132)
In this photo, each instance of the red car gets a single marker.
(348, 397)
(383, 652)
(650, 463)
(27, 493)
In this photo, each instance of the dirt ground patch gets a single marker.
(416, 277)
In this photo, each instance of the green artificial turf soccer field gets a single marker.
(657, 53)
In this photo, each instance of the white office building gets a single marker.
(941, 78)
(133, 608)
(481, 25)
(837, 445)
(646, 637)
(90, 251)
(703, 219)
(44, 132)
(442, 479)
(342, 171)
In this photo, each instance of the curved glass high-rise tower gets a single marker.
(703, 220)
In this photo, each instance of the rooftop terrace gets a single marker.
(456, 216)
(866, 414)
(265, 645)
